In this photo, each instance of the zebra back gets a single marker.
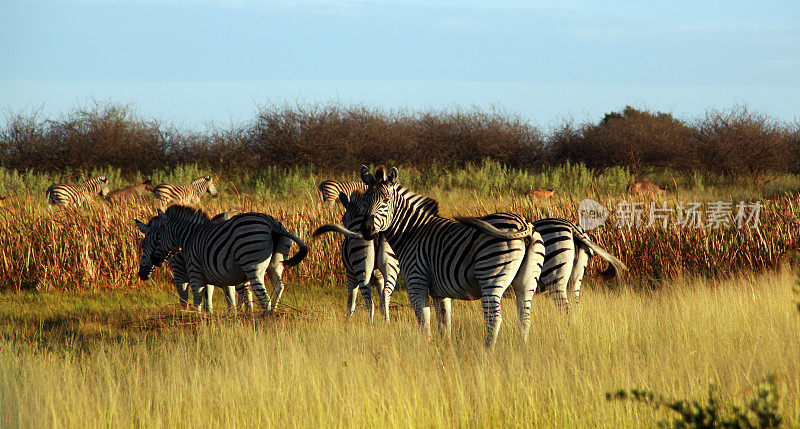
(73, 195)
(186, 194)
(329, 190)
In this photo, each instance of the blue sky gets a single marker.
(194, 61)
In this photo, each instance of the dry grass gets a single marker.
(84, 362)
(97, 246)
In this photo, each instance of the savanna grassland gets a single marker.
(84, 342)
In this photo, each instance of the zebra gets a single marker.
(568, 252)
(330, 190)
(180, 279)
(367, 262)
(186, 194)
(75, 195)
(442, 258)
(244, 248)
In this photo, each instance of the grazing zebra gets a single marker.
(367, 262)
(568, 251)
(186, 194)
(180, 278)
(442, 258)
(244, 248)
(75, 195)
(329, 190)
(130, 193)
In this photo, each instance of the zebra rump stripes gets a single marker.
(75, 195)
(245, 248)
(186, 194)
(442, 258)
(568, 252)
(330, 190)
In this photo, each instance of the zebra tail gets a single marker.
(48, 193)
(615, 267)
(301, 253)
(332, 227)
(483, 226)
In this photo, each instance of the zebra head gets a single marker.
(378, 203)
(155, 250)
(102, 186)
(353, 215)
(211, 189)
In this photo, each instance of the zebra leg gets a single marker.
(198, 291)
(443, 311)
(275, 271)
(352, 296)
(230, 298)
(526, 281)
(183, 293)
(366, 293)
(559, 296)
(582, 258)
(379, 281)
(245, 296)
(209, 298)
(255, 275)
(418, 295)
(490, 301)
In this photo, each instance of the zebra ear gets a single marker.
(392, 176)
(343, 199)
(366, 176)
(142, 227)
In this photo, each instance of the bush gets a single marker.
(760, 412)
(738, 143)
(632, 138)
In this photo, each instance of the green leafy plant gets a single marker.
(762, 411)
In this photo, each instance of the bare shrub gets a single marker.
(740, 144)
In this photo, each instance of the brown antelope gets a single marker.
(130, 193)
(645, 187)
(540, 194)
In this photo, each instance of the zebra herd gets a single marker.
(464, 258)
(388, 230)
(75, 195)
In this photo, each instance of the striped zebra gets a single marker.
(245, 248)
(367, 262)
(441, 258)
(75, 195)
(329, 190)
(180, 279)
(568, 251)
(186, 194)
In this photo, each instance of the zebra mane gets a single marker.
(200, 180)
(189, 213)
(425, 204)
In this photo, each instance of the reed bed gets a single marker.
(97, 246)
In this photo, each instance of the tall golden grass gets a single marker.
(75, 359)
(96, 246)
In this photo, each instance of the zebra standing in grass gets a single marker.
(245, 248)
(568, 251)
(442, 258)
(186, 194)
(329, 190)
(75, 195)
(367, 262)
(180, 279)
